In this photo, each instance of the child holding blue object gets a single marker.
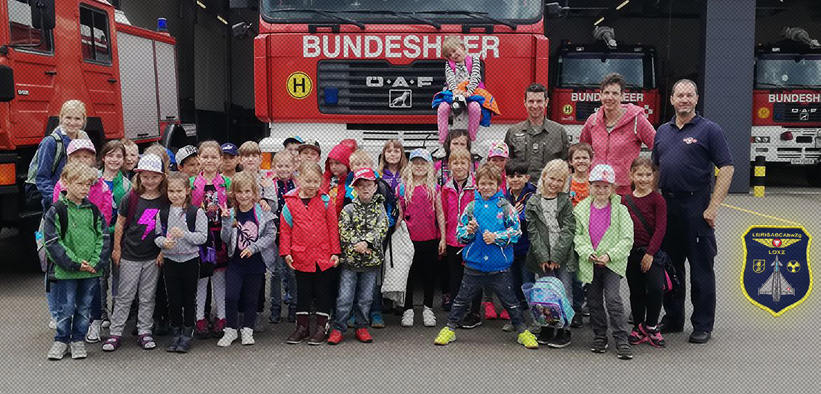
(548, 302)
(488, 259)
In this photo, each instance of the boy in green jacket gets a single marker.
(77, 245)
(604, 237)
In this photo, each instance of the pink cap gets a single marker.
(80, 144)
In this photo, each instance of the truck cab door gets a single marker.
(35, 69)
(101, 69)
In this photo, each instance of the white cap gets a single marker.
(149, 162)
(184, 153)
(603, 173)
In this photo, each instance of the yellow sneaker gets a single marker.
(528, 340)
(445, 337)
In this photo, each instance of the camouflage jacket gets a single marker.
(363, 222)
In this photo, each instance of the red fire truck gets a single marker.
(368, 69)
(578, 72)
(126, 76)
(787, 104)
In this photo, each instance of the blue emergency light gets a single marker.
(162, 25)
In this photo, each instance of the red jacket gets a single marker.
(622, 145)
(342, 154)
(310, 235)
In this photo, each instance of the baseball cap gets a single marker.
(421, 153)
(498, 149)
(310, 144)
(365, 173)
(293, 140)
(80, 144)
(230, 149)
(149, 162)
(603, 173)
(184, 153)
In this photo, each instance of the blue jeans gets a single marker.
(376, 303)
(52, 299)
(282, 273)
(354, 285)
(74, 300)
(473, 282)
(520, 275)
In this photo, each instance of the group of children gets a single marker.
(179, 241)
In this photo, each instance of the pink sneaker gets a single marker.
(653, 335)
(219, 326)
(636, 337)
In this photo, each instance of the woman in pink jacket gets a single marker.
(616, 131)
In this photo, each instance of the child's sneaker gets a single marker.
(93, 335)
(111, 344)
(527, 339)
(201, 331)
(219, 328)
(446, 336)
(490, 311)
(624, 352)
(503, 315)
(146, 341)
(78, 350)
(377, 321)
(561, 340)
(57, 351)
(546, 335)
(106, 323)
(247, 336)
(447, 302)
(508, 327)
(228, 337)
(653, 335)
(335, 337)
(636, 336)
(470, 321)
(407, 318)
(363, 335)
(428, 317)
(599, 345)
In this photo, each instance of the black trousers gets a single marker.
(690, 238)
(424, 267)
(456, 269)
(181, 285)
(245, 287)
(316, 287)
(161, 299)
(646, 289)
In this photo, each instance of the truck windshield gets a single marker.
(788, 71)
(466, 12)
(588, 69)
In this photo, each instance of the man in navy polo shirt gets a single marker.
(686, 149)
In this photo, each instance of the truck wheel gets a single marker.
(813, 175)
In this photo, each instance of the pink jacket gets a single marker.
(622, 145)
(420, 213)
(454, 203)
(198, 189)
(99, 195)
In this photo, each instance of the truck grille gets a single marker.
(796, 113)
(375, 87)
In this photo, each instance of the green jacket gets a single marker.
(616, 242)
(539, 235)
(363, 222)
(83, 241)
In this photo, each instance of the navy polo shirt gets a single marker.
(686, 156)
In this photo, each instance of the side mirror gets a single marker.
(6, 84)
(42, 14)
(241, 29)
(555, 10)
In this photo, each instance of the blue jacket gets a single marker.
(521, 247)
(46, 179)
(497, 216)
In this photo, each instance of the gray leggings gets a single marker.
(137, 279)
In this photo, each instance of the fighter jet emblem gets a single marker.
(776, 285)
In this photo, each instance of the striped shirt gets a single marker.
(454, 78)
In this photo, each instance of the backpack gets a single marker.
(548, 302)
(190, 218)
(33, 196)
(62, 217)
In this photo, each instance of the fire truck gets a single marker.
(580, 68)
(787, 103)
(368, 69)
(126, 76)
